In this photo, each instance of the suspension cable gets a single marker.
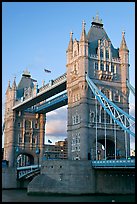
(115, 135)
(125, 139)
(105, 132)
(96, 127)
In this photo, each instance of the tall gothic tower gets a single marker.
(108, 68)
(9, 120)
(24, 131)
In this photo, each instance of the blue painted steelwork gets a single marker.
(47, 105)
(52, 102)
(131, 87)
(109, 107)
(26, 172)
(128, 163)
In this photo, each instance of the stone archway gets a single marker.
(110, 148)
(24, 159)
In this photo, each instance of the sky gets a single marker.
(35, 35)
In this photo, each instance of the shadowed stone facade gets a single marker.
(24, 131)
(108, 68)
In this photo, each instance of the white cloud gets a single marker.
(56, 125)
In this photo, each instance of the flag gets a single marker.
(49, 141)
(46, 70)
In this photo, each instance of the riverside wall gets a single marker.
(78, 177)
(73, 177)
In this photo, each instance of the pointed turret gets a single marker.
(83, 35)
(70, 49)
(123, 45)
(14, 83)
(124, 59)
(70, 46)
(83, 43)
(9, 87)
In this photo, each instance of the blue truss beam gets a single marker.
(109, 107)
(51, 104)
(132, 89)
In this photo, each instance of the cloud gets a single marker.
(56, 125)
(58, 114)
(132, 109)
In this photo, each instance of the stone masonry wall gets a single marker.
(59, 176)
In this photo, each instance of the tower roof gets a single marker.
(26, 73)
(96, 33)
(25, 82)
(96, 21)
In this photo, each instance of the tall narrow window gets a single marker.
(106, 93)
(101, 53)
(102, 115)
(96, 65)
(116, 97)
(19, 138)
(107, 54)
(107, 118)
(102, 66)
(28, 124)
(27, 138)
(112, 68)
(107, 67)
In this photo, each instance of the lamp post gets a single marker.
(16, 152)
(37, 153)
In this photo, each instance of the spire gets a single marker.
(9, 87)
(123, 45)
(9, 84)
(26, 73)
(14, 83)
(70, 46)
(97, 21)
(83, 35)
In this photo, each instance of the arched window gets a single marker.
(91, 116)
(27, 124)
(102, 66)
(19, 138)
(107, 67)
(116, 98)
(96, 65)
(107, 118)
(102, 115)
(107, 54)
(112, 68)
(27, 137)
(101, 53)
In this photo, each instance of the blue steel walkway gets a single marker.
(118, 163)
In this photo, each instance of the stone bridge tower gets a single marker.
(108, 68)
(24, 131)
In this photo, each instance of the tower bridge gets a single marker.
(96, 91)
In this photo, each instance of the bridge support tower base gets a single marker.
(78, 177)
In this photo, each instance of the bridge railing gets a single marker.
(114, 163)
(47, 87)
(52, 82)
(26, 170)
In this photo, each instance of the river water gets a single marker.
(20, 195)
